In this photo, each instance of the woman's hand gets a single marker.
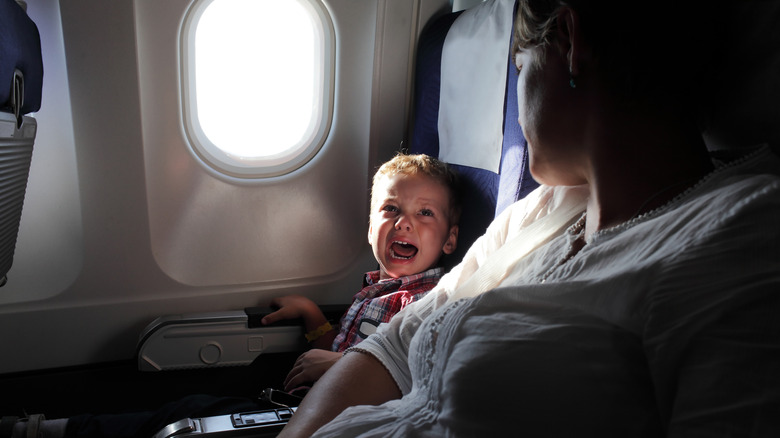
(355, 379)
(309, 367)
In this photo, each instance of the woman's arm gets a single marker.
(356, 379)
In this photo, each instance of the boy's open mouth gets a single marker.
(403, 250)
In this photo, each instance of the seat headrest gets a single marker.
(465, 111)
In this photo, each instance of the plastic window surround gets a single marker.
(311, 137)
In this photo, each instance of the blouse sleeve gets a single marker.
(713, 333)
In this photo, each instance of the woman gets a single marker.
(633, 294)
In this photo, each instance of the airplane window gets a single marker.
(257, 83)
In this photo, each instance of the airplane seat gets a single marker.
(21, 83)
(464, 127)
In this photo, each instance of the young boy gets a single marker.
(415, 208)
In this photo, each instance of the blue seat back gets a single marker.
(20, 54)
(21, 84)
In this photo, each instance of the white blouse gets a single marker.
(663, 326)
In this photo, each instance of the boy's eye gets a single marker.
(426, 212)
(390, 208)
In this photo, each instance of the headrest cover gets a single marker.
(471, 118)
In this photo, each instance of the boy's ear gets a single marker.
(452, 241)
(369, 233)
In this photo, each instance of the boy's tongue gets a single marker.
(404, 250)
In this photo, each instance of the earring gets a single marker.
(571, 79)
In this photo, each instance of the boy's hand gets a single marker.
(309, 367)
(292, 307)
(297, 306)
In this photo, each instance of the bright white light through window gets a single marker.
(259, 81)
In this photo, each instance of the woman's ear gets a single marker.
(452, 241)
(569, 39)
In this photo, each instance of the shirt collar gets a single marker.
(372, 277)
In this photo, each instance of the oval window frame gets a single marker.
(267, 166)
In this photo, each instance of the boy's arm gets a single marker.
(297, 306)
(356, 379)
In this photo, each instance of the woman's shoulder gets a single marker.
(749, 182)
(745, 164)
(731, 215)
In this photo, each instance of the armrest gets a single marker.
(218, 339)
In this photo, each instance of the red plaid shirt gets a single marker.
(378, 301)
